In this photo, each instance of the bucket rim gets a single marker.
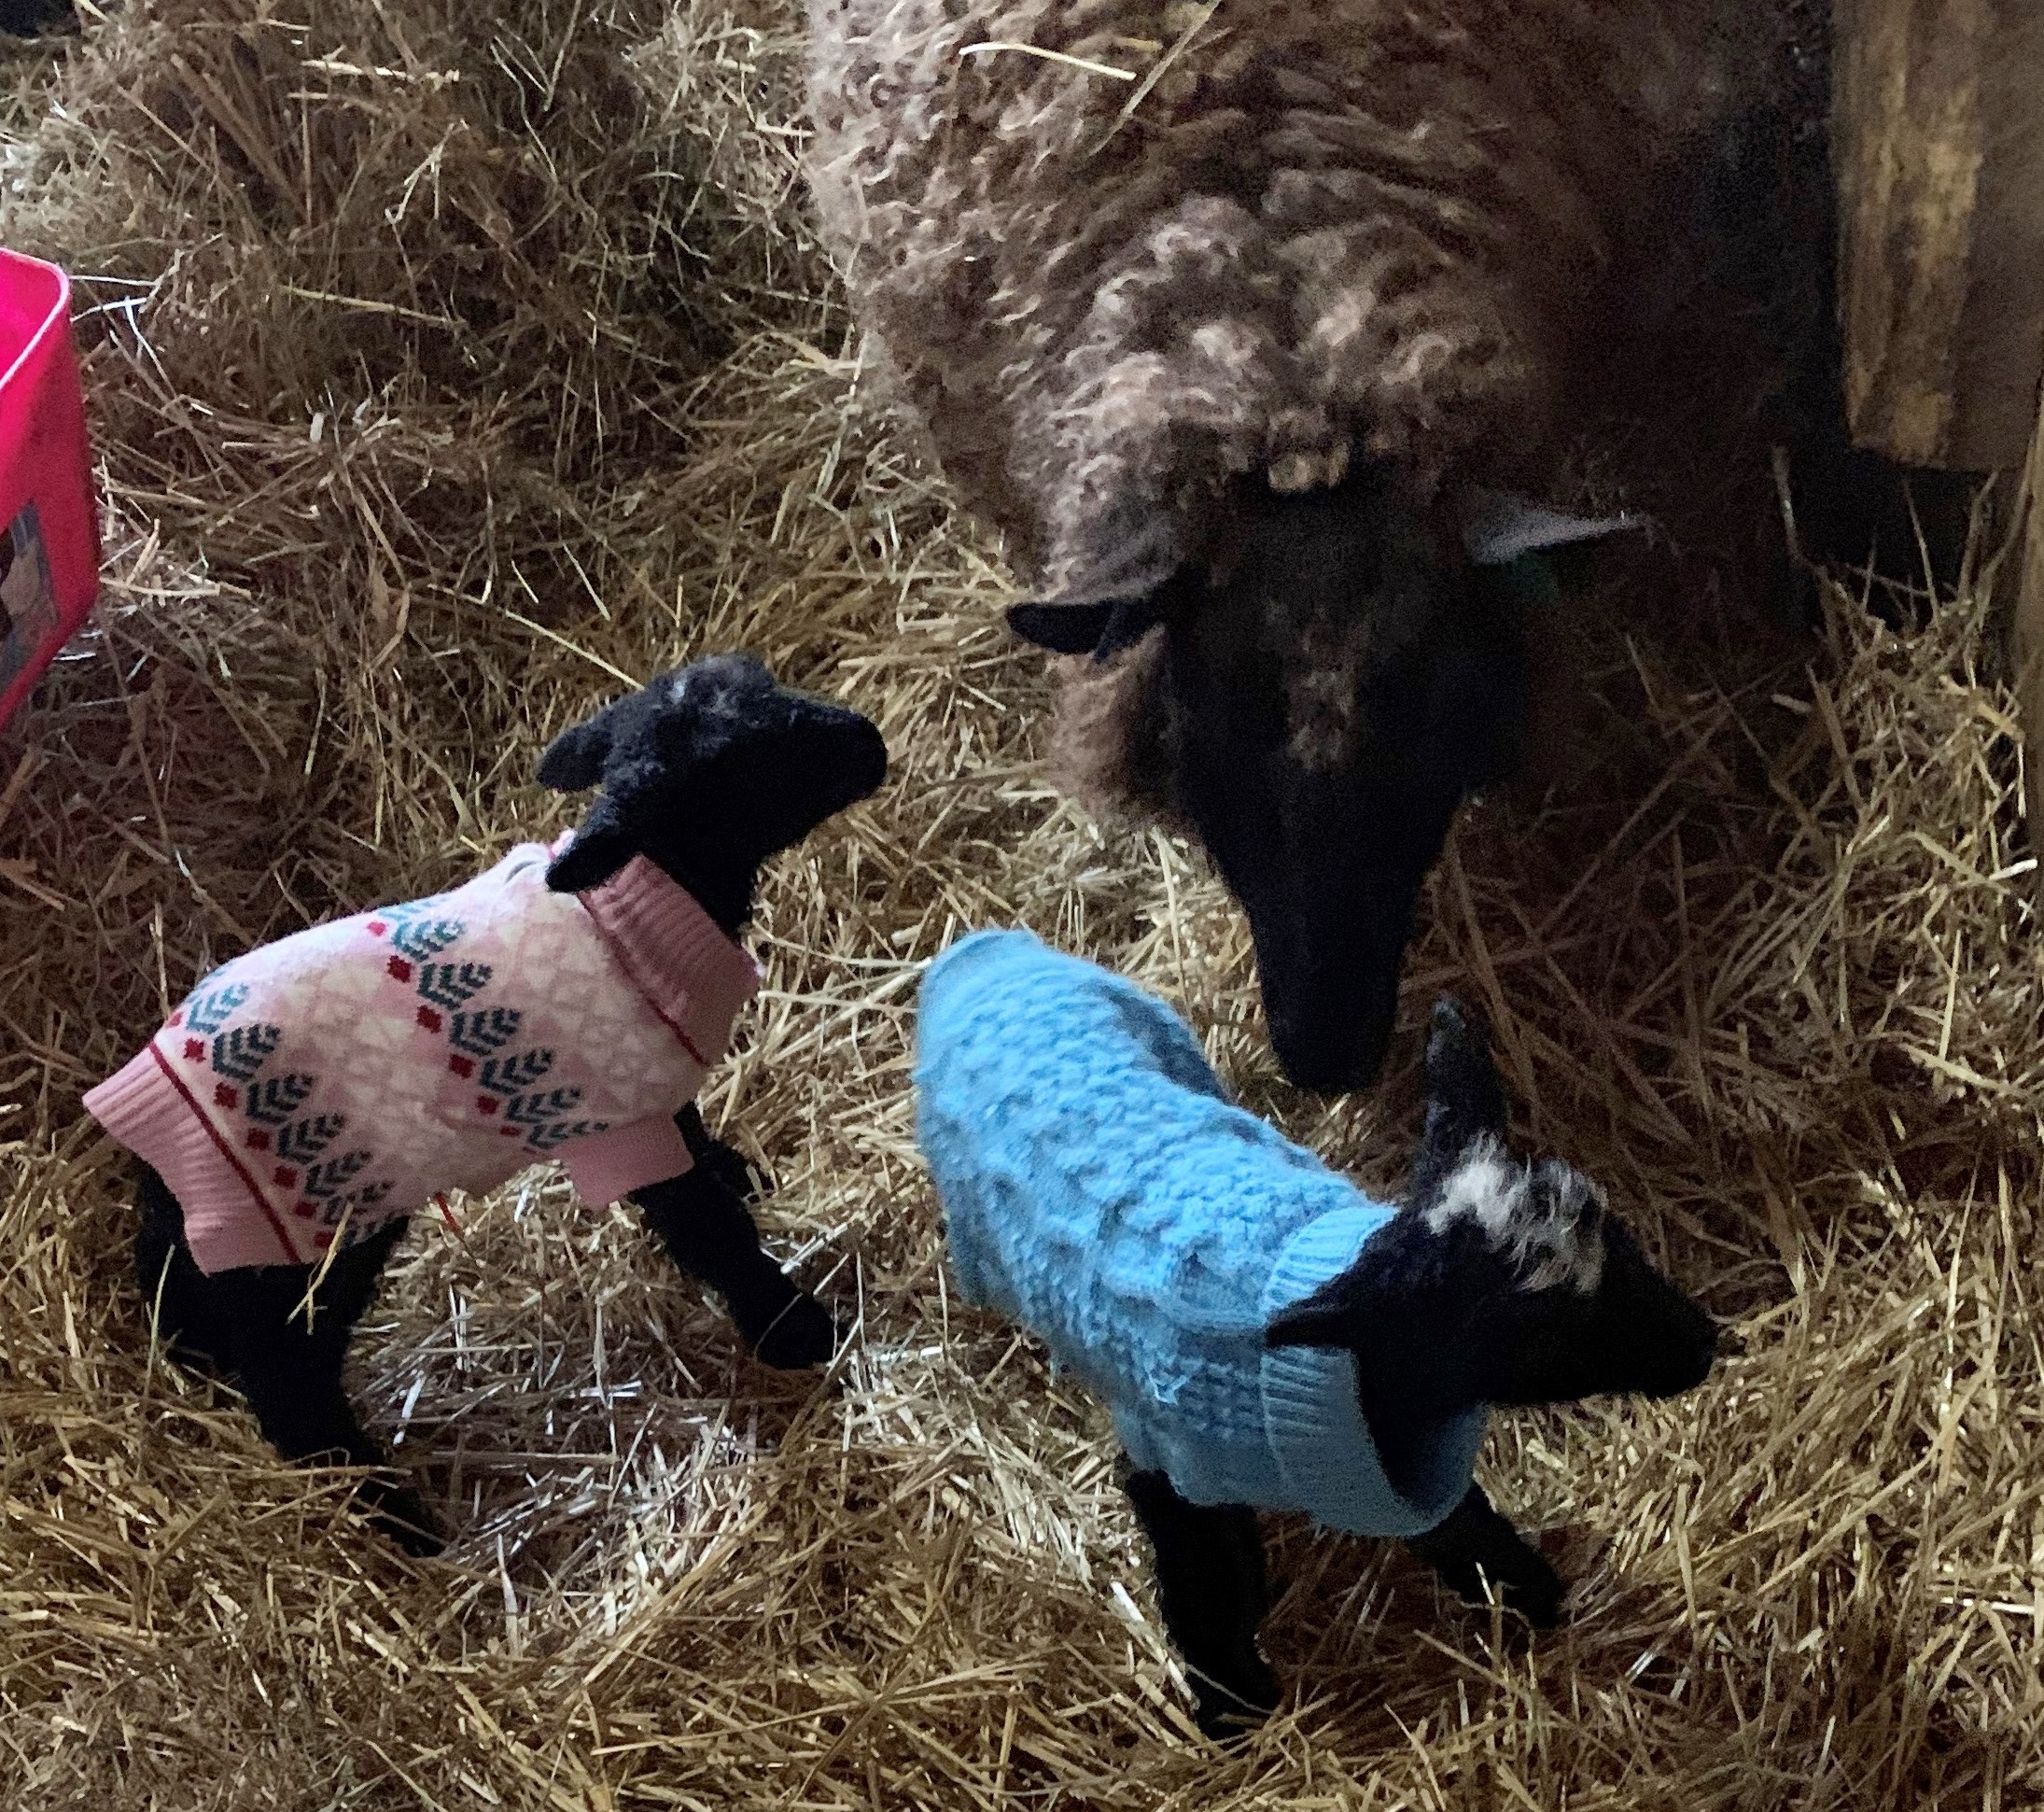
(56, 320)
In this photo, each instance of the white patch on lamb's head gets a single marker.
(1559, 1241)
(720, 689)
(1545, 1220)
(1488, 1187)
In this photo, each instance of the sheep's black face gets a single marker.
(1336, 679)
(1553, 1287)
(1634, 1331)
(1332, 696)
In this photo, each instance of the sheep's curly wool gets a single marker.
(1100, 1188)
(1308, 230)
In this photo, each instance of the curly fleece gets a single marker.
(1308, 231)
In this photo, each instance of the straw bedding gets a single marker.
(445, 359)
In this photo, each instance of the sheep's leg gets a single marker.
(1477, 1543)
(730, 1167)
(310, 1420)
(1212, 1589)
(247, 1323)
(709, 1232)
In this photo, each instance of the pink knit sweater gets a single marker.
(349, 1072)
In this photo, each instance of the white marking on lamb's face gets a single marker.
(1486, 1187)
(1560, 1241)
(1547, 1220)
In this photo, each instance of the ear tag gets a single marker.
(1498, 528)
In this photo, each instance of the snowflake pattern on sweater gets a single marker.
(316, 1086)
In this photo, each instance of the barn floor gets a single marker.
(450, 366)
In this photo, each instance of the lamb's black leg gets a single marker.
(728, 1166)
(1212, 1589)
(1477, 1543)
(705, 1225)
(246, 1323)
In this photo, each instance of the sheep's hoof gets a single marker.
(802, 1335)
(399, 1512)
(1522, 1579)
(1232, 1707)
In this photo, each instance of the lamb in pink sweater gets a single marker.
(309, 1096)
(319, 1086)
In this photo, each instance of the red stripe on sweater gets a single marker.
(228, 1152)
(624, 960)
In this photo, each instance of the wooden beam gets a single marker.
(1937, 133)
(1938, 144)
(2026, 641)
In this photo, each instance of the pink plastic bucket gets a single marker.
(49, 527)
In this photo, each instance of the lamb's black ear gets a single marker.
(1098, 629)
(602, 846)
(1462, 1088)
(1337, 1314)
(1464, 1099)
(1325, 1318)
(1404, 1433)
(575, 758)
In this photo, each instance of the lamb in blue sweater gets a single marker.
(1100, 1188)
(1266, 1336)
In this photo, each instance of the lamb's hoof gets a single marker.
(1233, 1708)
(399, 1512)
(735, 1172)
(1524, 1584)
(800, 1335)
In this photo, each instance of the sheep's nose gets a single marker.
(1330, 1055)
(1331, 1023)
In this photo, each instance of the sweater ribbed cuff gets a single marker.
(143, 1110)
(607, 1166)
(1313, 1420)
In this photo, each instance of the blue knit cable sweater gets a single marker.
(1099, 1189)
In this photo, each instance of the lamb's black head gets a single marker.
(1336, 679)
(1500, 1280)
(706, 771)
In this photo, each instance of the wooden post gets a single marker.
(2026, 641)
(1939, 129)
(1937, 134)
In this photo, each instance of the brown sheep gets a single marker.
(1229, 317)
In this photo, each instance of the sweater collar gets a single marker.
(1315, 1425)
(691, 972)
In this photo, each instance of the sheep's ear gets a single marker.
(1465, 1097)
(1328, 1317)
(1404, 1433)
(602, 846)
(1400, 1430)
(1098, 629)
(1130, 572)
(575, 758)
